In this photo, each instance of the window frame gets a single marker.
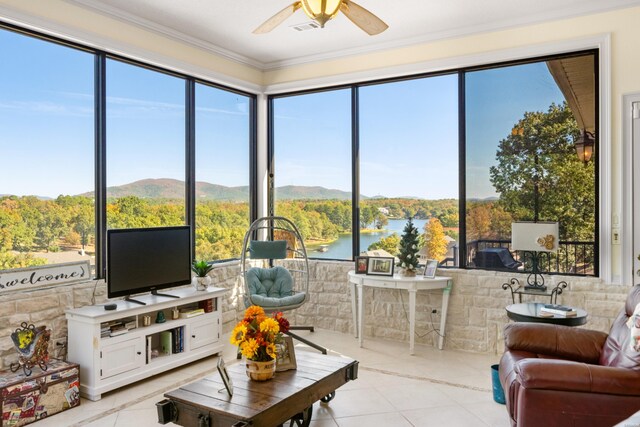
(462, 143)
(101, 143)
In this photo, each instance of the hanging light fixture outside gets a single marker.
(584, 146)
(321, 10)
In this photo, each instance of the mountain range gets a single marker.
(166, 188)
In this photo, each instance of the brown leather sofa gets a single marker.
(561, 376)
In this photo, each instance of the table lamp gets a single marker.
(536, 240)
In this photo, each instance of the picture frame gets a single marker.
(286, 358)
(226, 379)
(362, 263)
(380, 266)
(430, 268)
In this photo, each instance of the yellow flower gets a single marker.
(249, 348)
(253, 311)
(270, 325)
(271, 350)
(238, 334)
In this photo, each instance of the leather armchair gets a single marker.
(560, 376)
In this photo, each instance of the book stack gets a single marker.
(116, 327)
(559, 310)
(172, 341)
(187, 314)
(206, 305)
(105, 330)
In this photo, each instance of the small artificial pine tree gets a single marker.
(408, 255)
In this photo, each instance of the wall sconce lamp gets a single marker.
(584, 146)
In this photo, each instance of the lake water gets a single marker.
(341, 248)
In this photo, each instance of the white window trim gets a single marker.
(601, 42)
(626, 225)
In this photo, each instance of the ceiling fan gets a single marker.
(322, 11)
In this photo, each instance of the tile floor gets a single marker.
(393, 389)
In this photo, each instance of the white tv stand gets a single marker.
(108, 362)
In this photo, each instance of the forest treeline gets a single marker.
(29, 224)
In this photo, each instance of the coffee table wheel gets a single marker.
(303, 419)
(328, 398)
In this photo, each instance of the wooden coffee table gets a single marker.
(290, 395)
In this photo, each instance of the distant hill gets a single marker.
(165, 188)
(299, 192)
(37, 197)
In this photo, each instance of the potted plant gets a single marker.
(202, 269)
(257, 336)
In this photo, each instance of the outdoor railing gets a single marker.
(572, 257)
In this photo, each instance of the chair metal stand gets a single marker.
(273, 230)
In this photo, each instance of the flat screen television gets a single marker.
(147, 259)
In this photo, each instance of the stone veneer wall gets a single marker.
(475, 317)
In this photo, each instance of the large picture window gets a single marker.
(409, 165)
(46, 143)
(528, 152)
(524, 123)
(91, 141)
(313, 170)
(145, 147)
(222, 172)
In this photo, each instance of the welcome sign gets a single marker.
(22, 279)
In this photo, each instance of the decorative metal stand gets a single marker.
(32, 345)
(516, 288)
(535, 280)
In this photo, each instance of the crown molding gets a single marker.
(131, 19)
(91, 40)
(555, 15)
(600, 41)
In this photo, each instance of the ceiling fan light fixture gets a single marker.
(321, 11)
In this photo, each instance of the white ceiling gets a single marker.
(225, 26)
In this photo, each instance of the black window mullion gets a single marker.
(253, 160)
(462, 174)
(355, 168)
(100, 114)
(190, 159)
(270, 160)
(596, 159)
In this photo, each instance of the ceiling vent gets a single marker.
(311, 25)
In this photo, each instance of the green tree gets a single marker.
(390, 244)
(409, 247)
(434, 239)
(538, 172)
(83, 221)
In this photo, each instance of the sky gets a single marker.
(47, 122)
(408, 129)
(408, 132)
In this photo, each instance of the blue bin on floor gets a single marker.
(498, 392)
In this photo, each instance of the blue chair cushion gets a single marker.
(268, 249)
(272, 287)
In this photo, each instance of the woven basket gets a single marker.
(260, 371)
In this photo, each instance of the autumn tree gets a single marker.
(539, 176)
(435, 240)
(487, 220)
(391, 244)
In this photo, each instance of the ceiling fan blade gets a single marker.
(277, 19)
(364, 19)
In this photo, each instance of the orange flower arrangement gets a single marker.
(257, 334)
